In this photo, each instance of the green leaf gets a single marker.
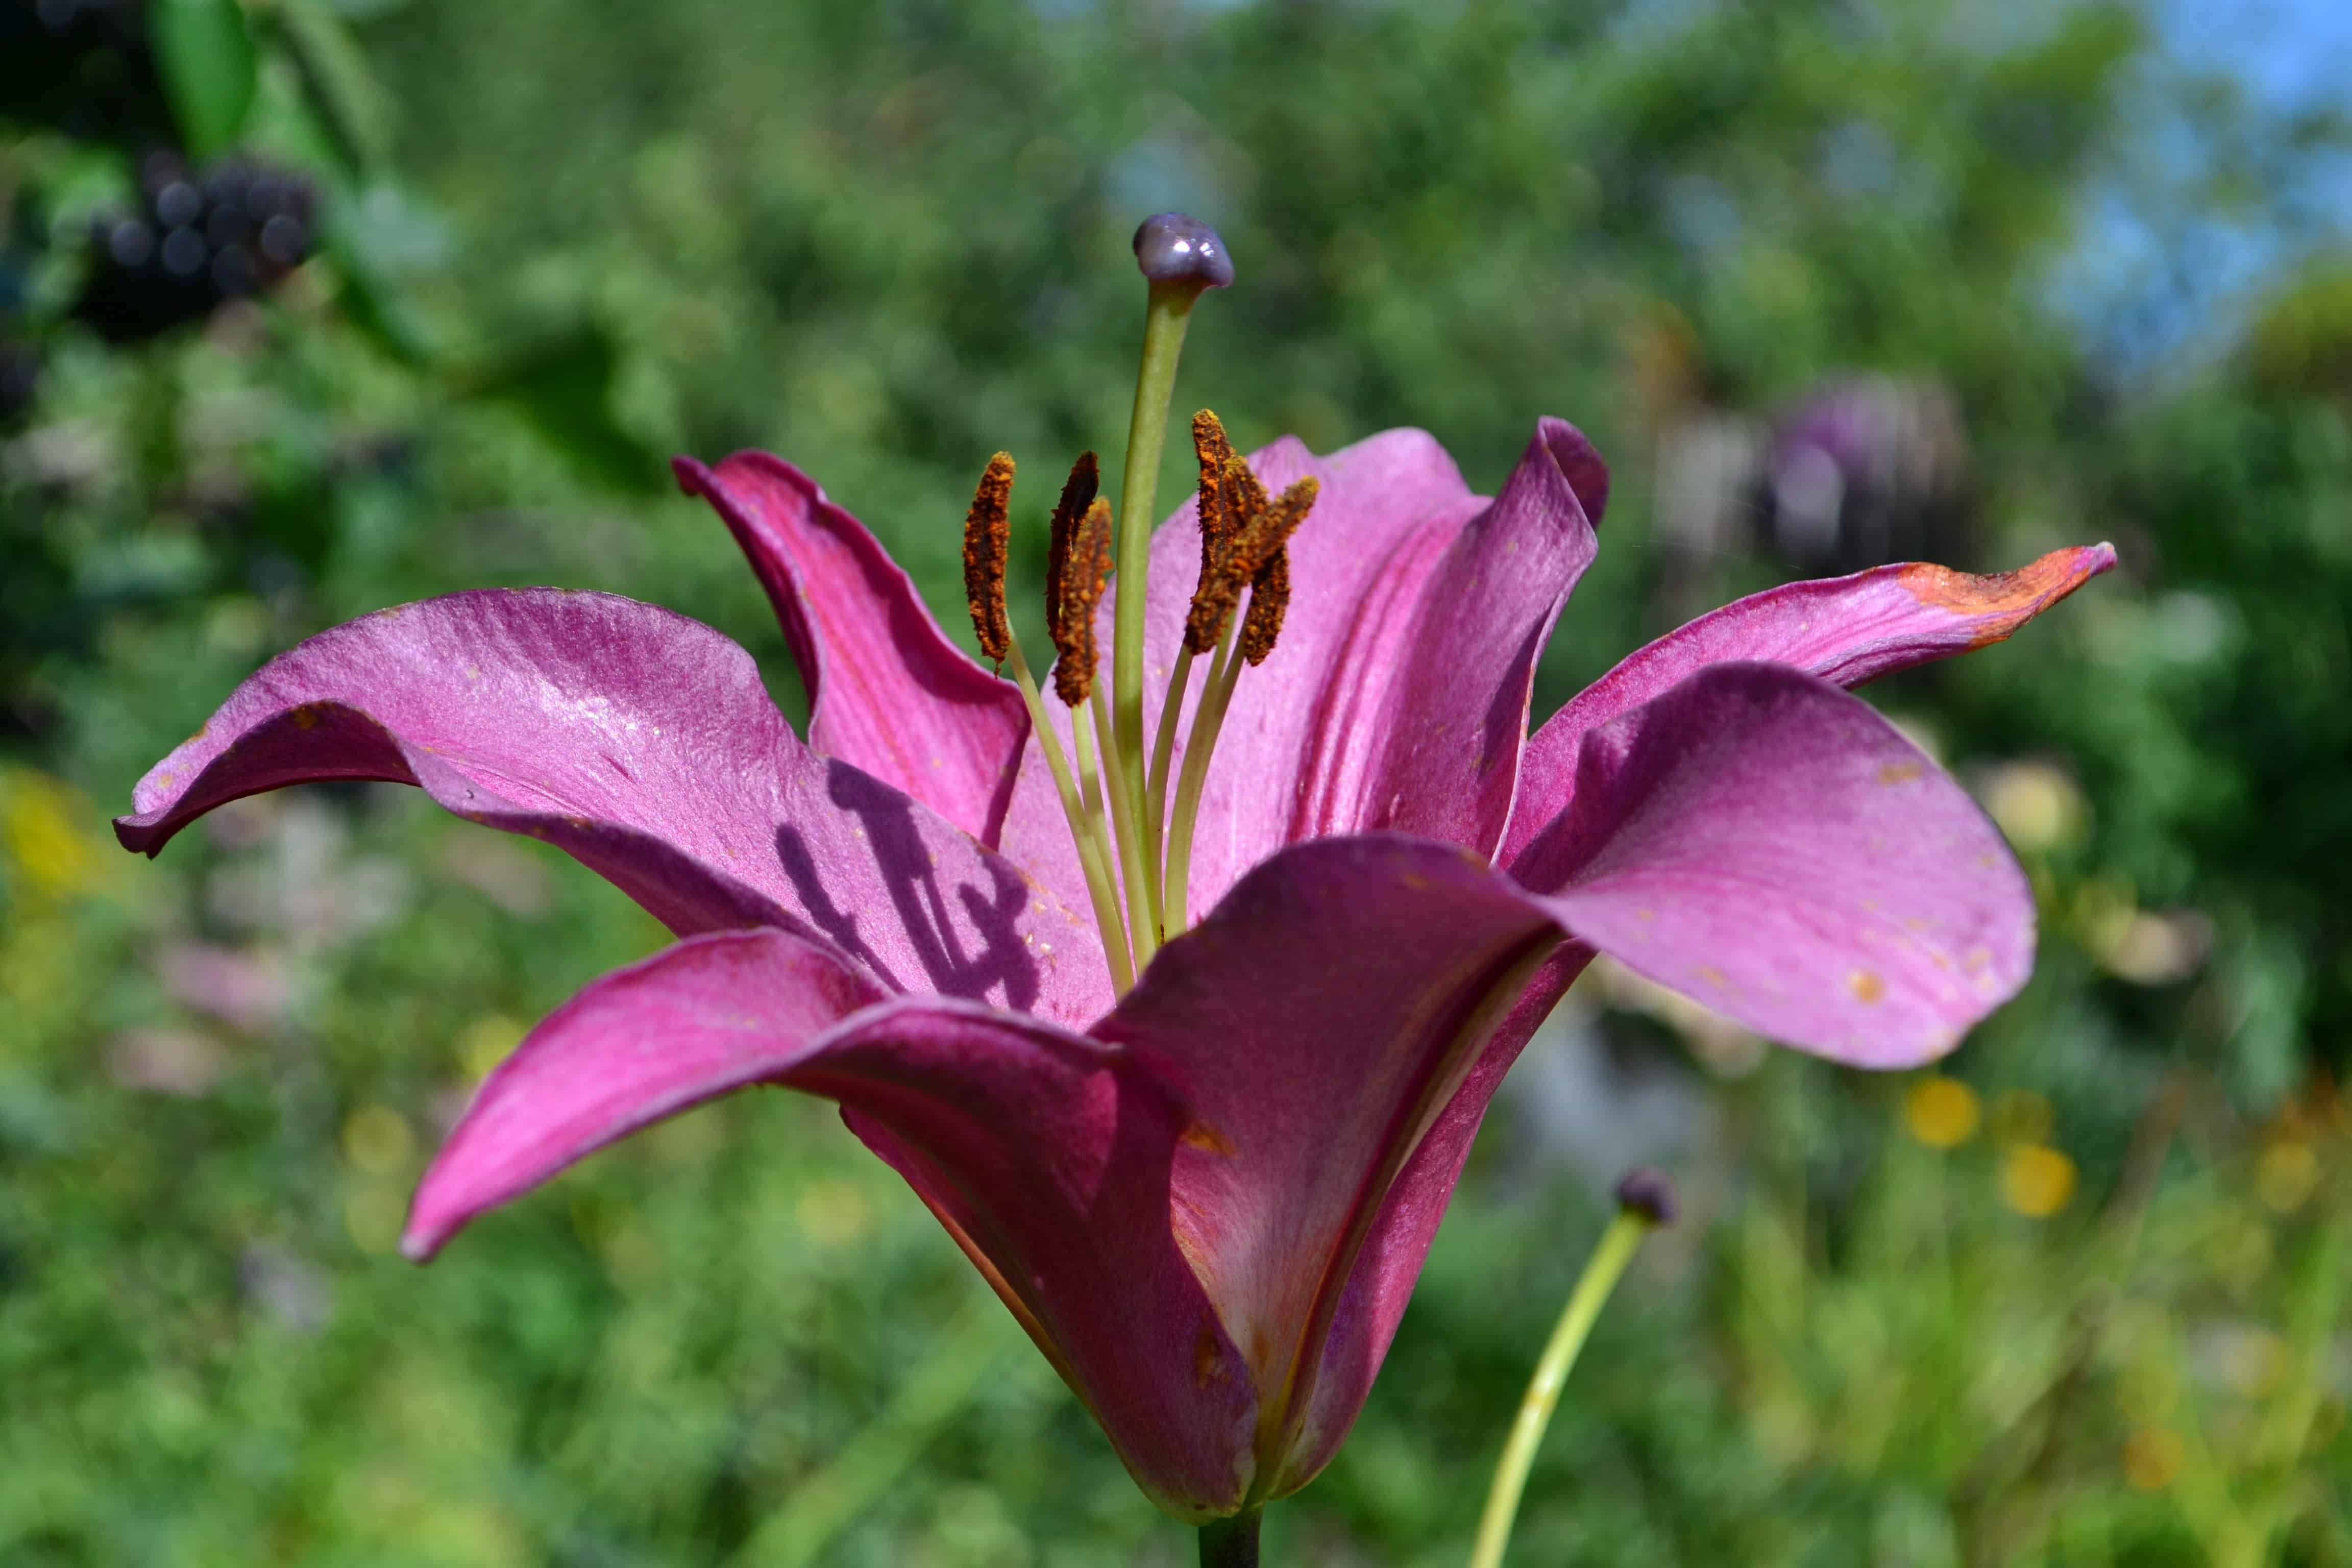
(357, 110)
(209, 67)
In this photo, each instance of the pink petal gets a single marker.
(643, 744)
(1845, 630)
(1314, 1076)
(1045, 1153)
(889, 693)
(1759, 840)
(706, 1017)
(1428, 739)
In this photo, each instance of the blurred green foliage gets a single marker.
(2090, 1310)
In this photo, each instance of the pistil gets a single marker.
(1181, 258)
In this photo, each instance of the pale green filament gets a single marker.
(1618, 1244)
(1091, 859)
(1155, 787)
(1090, 786)
(1207, 720)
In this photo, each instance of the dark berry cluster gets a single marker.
(200, 237)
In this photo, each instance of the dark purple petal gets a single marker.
(1316, 1070)
(1046, 1154)
(1755, 839)
(1372, 1299)
(643, 744)
(1845, 630)
(1762, 842)
(889, 692)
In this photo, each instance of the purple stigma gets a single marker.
(1170, 247)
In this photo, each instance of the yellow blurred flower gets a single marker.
(2037, 1180)
(485, 1042)
(1941, 1112)
(2152, 1457)
(42, 827)
(2036, 806)
(377, 1139)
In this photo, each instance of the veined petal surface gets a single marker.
(643, 744)
(1763, 842)
(1442, 757)
(889, 692)
(1843, 630)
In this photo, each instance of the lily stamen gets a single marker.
(1213, 451)
(987, 535)
(1076, 588)
(1254, 558)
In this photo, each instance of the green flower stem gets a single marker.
(1230, 1543)
(1165, 318)
(1618, 1244)
(1164, 747)
(1207, 720)
(1090, 856)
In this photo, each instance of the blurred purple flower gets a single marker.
(250, 990)
(1207, 1200)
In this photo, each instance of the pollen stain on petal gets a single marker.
(1715, 977)
(1209, 1140)
(305, 716)
(1208, 1360)
(2004, 600)
(1893, 773)
(1867, 985)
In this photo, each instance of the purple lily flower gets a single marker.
(1206, 1200)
